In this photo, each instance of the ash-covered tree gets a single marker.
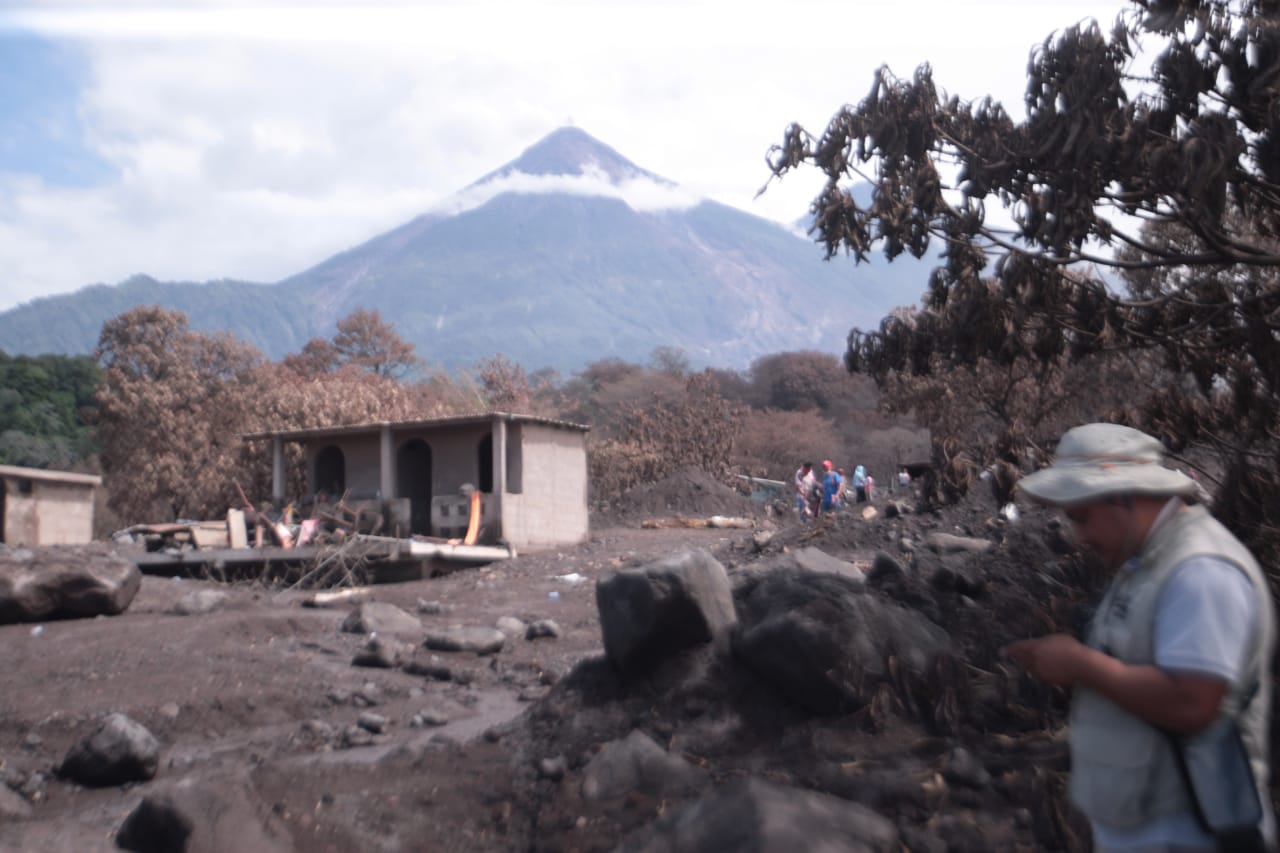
(362, 340)
(1172, 177)
(171, 407)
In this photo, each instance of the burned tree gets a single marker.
(1171, 180)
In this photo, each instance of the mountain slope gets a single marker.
(568, 254)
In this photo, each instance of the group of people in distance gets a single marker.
(819, 492)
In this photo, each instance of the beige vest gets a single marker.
(1123, 771)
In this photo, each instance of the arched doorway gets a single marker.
(331, 471)
(413, 481)
(484, 464)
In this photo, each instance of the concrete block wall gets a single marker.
(50, 514)
(552, 506)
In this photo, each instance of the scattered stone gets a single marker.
(438, 671)
(372, 722)
(635, 764)
(338, 696)
(947, 543)
(32, 741)
(379, 652)
(751, 814)
(553, 768)
(379, 617)
(962, 767)
(432, 717)
(761, 539)
(353, 736)
(12, 805)
(64, 582)
(542, 628)
(896, 509)
(884, 568)
(466, 638)
(170, 710)
(120, 751)
(530, 694)
(200, 601)
(816, 560)
(430, 608)
(368, 696)
(511, 626)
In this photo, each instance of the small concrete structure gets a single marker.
(531, 473)
(39, 507)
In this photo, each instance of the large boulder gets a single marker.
(823, 641)
(751, 814)
(120, 751)
(64, 582)
(649, 613)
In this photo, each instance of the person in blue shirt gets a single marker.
(831, 483)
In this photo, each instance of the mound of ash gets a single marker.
(686, 493)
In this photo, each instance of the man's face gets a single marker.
(1106, 528)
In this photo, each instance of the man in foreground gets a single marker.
(1178, 650)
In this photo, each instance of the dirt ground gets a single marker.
(252, 702)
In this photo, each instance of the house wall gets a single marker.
(50, 514)
(361, 459)
(551, 508)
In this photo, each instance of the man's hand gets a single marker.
(1055, 659)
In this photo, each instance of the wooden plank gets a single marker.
(237, 534)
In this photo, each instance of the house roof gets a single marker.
(50, 476)
(410, 425)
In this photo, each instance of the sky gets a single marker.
(215, 139)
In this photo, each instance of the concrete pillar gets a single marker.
(387, 465)
(499, 473)
(277, 470)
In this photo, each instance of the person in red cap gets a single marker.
(831, 482)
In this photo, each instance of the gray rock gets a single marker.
(637, 764)
(120, 751)
(379, 617)
(433, 717)
(353, 736)
(823, 642)
(511, 626)
(380, 653)
(63, 582)
(430, 608)
(962, 767)
(542, 628)
(466, 638)
(553, 768)
(652, 612)
(946, 543)
(751, 814)
(12, 805)
(884, 568)
(372, 722)
(957, 571)
(200, 601)
(816, 560)
(202, 815)
(896, 509)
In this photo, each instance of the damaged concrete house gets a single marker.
(39, 507)
(529, 472)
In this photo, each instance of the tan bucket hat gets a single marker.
(1097, 460)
